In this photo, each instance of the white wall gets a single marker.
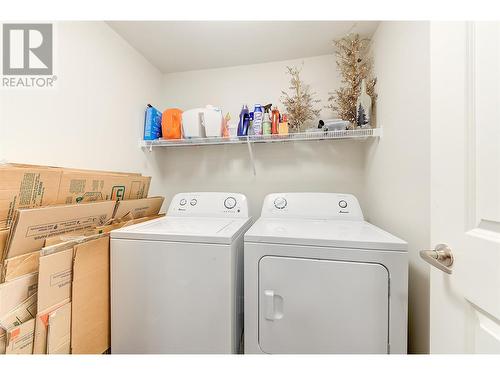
(308, 166)
(93, 117)
(397, 173)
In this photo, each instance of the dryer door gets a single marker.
(322, 306)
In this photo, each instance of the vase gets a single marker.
(363, 108)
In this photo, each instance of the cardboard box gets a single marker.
(14, 292)
(77, 187)
(41, 329)
(55, 273)
(20, 314)
(90, 317)
(59, 330)
(20, 338)
(54, 281)
(4, 235)
(20, 265)
(21, 165)
(3, 341)
(30, 186)
(137, 208)
(69, 243)
(26, 188)
(32, 226)
(72, 236)
(108, 228)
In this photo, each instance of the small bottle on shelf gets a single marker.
(283, 127)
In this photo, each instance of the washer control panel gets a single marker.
(312, 205)
(211, 204)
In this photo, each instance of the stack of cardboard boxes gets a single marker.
(54, 254)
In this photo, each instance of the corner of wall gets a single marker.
(397, 167)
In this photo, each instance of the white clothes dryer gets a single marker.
(320, 279)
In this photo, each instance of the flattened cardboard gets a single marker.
(41, 329)
(29, 186)
(90, 318)
(138, 208)
(59, 330)
(3, 341)
(54, 279)
(77, 187)
(20, 314)
(69, 237)
(33, 226)
(16, 291)
(4, 235)
(20, 338)
(20, 265)
(108, 228)
(26, 188)
(56, 272)
(21, 165)
(68, 244)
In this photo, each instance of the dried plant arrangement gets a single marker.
(354, 64)
(299, 104)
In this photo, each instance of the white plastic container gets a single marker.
(202, 122)
(212, 121)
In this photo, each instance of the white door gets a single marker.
(322, 306)
(465, 186)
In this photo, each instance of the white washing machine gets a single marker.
(320, 279)
(176, 282)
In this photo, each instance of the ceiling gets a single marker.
(176, 46)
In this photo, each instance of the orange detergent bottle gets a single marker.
(275, 120)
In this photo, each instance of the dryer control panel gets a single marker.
(211, 204)
(312, 206)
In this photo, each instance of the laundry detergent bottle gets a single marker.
(275, 120)
(244, 120)
(258, 117)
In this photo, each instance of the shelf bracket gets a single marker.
(252, 159)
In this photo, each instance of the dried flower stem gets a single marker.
(299, 105)
(354, 64)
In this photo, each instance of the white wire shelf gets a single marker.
(292, 137)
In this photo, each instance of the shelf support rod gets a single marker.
(252, 159)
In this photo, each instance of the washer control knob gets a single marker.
(342, 204)
(183, 202)
(280, 203)
(230, 203)
(193, 202)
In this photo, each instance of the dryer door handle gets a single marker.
(273, 305)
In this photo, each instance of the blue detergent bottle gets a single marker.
(244, 120)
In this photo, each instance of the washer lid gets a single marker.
(328, 233)
(185, 229)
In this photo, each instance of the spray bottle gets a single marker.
(266, 123)
(250, 124)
